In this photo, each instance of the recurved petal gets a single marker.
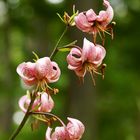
(91, 15)
(24, 103)
(74, 58)
(55, 73)
(102, 16)
(88, 50)
(109, 11)
(100, 54)
(27, 73)
(82, 22)
(43, 67)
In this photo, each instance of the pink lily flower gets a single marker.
(42, 71)
(90, 22)
(42, 103)
(87, 59)
(73, 131)
(47, 70)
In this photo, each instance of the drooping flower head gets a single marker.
(89, 58)
(72, 131)
(47, 70)
(90, 22)
(42, 103)
(40, 73)
(75, 129)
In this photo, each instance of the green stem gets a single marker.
(49, 114)
(72, 44)
(27, 114)
(55, 48)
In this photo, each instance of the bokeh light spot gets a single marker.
(55, 1)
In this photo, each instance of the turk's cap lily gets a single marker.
(87, 58)
(89, 21)
(47, 69)
(73, 131)
(42, 70)
(42, 103)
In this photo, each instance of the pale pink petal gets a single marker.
(43, 68)
(48, 133)
(105, 17)
(82, 22)
(46, 103)
(27, 73)
(88, 50)
(109, 11)
(23, 103)
(74, 58)
(75, 129)
(93, 53)
(102, 16)
(91, 15)
(55, 73)
(100, 54)
(60, 133)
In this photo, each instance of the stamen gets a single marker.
(100, 34)
(94, 38)
(98, 26)
(91, 73)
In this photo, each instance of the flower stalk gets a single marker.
(55, 48)
(26, 116)
(54, 117)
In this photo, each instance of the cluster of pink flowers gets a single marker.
(46, 71)
(90, 57)
(43, 71)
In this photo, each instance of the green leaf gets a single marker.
(60, 17)
(46, 117)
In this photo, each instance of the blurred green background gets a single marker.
(111, 109)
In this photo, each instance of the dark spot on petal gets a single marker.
(75, 55)
(54, 68)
